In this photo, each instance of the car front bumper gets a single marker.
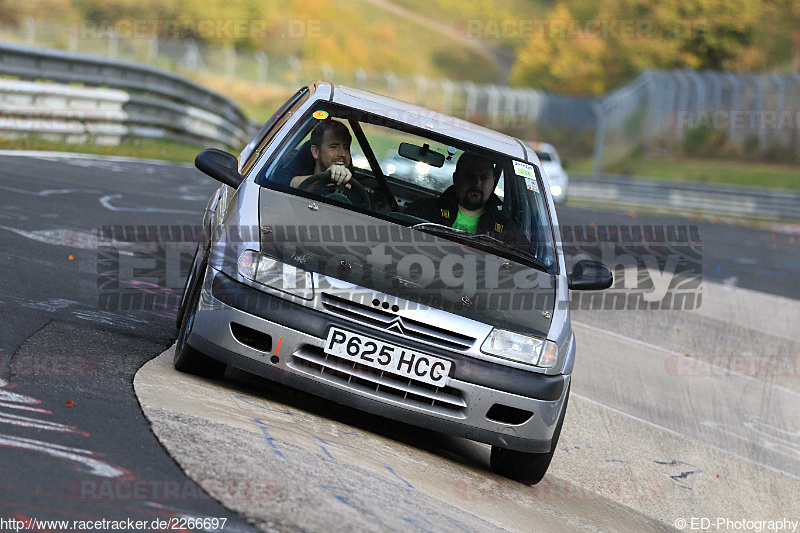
(296, 358)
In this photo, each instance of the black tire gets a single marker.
(187, 289)
(188, 359)
(527, 468)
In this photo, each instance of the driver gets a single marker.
(470, 203)
(330, 147)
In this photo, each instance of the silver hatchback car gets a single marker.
(442, 304)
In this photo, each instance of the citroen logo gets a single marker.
(396, 325)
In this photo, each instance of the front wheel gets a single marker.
(527, 468)
(187, 359)
(190, 283)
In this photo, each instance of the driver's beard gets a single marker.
(468, 203)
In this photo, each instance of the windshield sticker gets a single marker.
(530, 183)
(321, 115)
(523, 169)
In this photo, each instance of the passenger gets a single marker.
(470, 203)
(330, 147)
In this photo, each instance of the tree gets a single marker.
(593, 55)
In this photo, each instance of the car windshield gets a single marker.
(405, 174)
(544, 156)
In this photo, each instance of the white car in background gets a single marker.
(553, 169)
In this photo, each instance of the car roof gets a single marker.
(424, 118)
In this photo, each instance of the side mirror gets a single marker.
(564, 164)
(588, 275)
(220, 165)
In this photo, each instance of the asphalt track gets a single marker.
(76, 445)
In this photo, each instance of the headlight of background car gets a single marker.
(522, 348)
(267, 271)
(555, 190)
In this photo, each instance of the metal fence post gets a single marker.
(447, 96)
(360, 76)
(509, 97)
(683, 102)
(472, 100)
(796, 129)
(263, 68)
(327, 72)
(733, 106)
(599, 138)
(492, 103)
(230, 62)
(651, 107)
(296, 67)
(72, 38)
(152, 50)
(781, 104)
(191, 59)
(113, 43)
(422, 88)
(762, 137)
(30, 30)
(391, 82)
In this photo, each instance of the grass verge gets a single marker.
(710, 172)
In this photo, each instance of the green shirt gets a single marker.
(466, 222)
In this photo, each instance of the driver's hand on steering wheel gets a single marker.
(340, 174)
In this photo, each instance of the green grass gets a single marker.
(141, 148)
(709, 171)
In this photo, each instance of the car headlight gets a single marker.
(521, 348)
(267, 271)
(556, 190)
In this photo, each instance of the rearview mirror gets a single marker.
(588, 275)
(220, 165)
(421, 153)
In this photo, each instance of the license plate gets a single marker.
(387, 357)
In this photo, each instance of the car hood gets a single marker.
(378, 255)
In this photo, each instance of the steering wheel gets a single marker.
(340, 192)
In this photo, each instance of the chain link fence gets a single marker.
(700, 113)
(745, 115)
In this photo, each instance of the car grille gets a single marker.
(442, 400)
(412, 329)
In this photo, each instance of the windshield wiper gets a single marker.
(497, 244)
(439, 229)
(483, 238)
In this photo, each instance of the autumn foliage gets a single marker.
(620, 38)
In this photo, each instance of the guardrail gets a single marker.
(739, 202)
(155, 103)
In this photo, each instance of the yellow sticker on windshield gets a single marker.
(321, 115)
